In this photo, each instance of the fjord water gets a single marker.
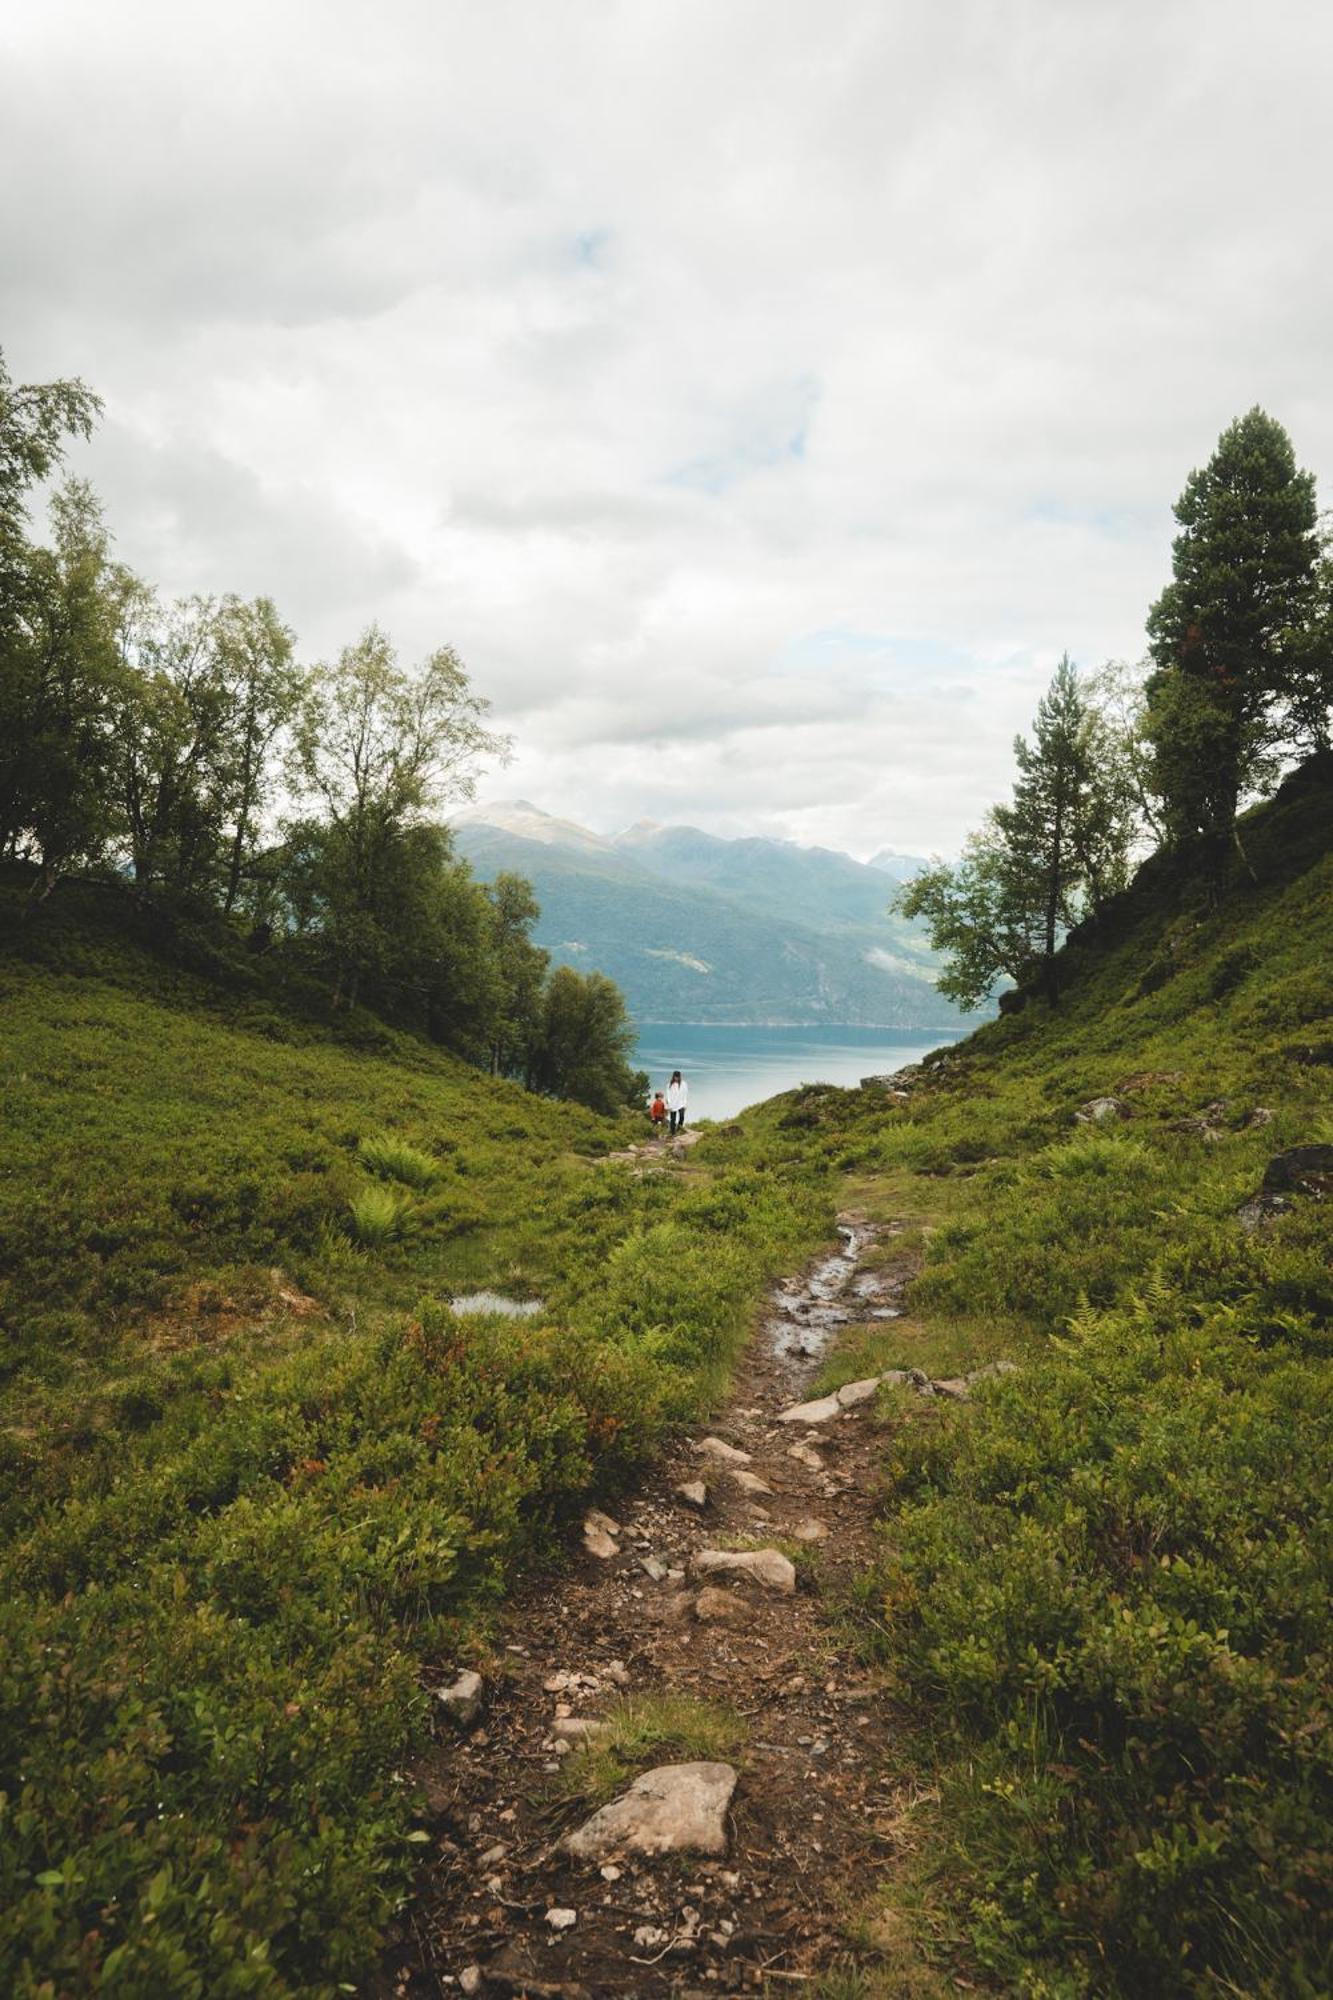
(730, 1067)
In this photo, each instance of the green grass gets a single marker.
(257, 1483)
(384, 1153)
(1102, 1595)
(648, 1729)
(378, 1215)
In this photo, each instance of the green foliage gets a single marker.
(648, 1729)
(395, 1159)
(1103, 1586)
(1231, 633)
(257, 1486)
(1050, 857)
(1111, 1580)
(146, 740)
(378, 1214)
(585, 1041)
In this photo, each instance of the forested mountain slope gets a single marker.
(695, 928)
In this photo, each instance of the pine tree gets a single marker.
(1040, 863)
(1224, 631)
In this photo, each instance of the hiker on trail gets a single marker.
(657, 1110)
(678, 1096)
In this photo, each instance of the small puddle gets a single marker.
(493, 1302)
(830, 1297)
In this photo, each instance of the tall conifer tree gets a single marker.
(1224, 631)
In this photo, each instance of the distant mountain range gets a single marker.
(696, 928)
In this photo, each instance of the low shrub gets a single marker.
(1106, 1581)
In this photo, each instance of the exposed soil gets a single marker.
(815, 1812)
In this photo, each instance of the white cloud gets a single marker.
(759, 397)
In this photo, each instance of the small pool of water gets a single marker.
(494, 1302)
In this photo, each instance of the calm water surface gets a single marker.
(728, 1068)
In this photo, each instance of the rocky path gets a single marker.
(714, 1587)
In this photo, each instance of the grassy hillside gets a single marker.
(258, 1484)
(1102, 1596)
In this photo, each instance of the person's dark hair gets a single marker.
(676, 1076)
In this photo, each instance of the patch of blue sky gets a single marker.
(718, 472)
(763, 440)
(591, 248)
(894, 661)
(1115, 523)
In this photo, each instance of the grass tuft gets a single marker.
(378, 1215)
(648, 1729)
(393, 1159)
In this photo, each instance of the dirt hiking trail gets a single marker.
(799, 1804)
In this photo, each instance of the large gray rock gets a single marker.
(749, 1482)
(852, 1393)
(676, 1809)
(821, 1411)
(726, 1454)
(768, 1567)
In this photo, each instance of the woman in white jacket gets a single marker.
(678, 1096)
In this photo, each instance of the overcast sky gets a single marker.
(759, 394)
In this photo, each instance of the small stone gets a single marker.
(810, 1530)
(822, 1411)
(598, 1543)
(492, 1855)
(577, 1729)
(595, 1518)
(654, 1568)
(693, 1493)
(617, 1672)
(461, 1700)
(609, 1872)
(806, 1455)
(954, 1387)
(768, 1567)
(749, 1482)
(728, 1454)
(852, 1393)
(562, 1920)
(469, 1980)
(678, 1808)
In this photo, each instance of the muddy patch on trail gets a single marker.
(807, 1313)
